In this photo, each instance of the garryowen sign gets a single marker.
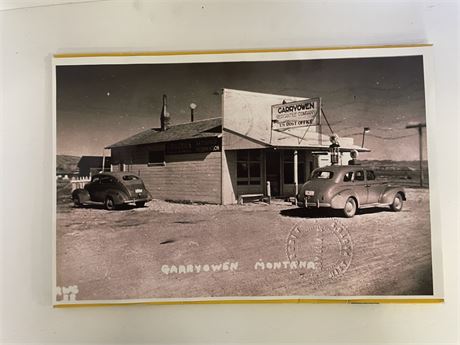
(296, 114)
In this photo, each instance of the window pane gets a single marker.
(254, 170)
(130, 177)
(255, 181)
(348, 176)
(156, 157)
(301, 173)
(370, 175)
(254, 155)
(107, 180)
(242, 155)
(288, 172)
(242, 170)
(322, 175)
(301, 155)
(359, 175)
(289, 156)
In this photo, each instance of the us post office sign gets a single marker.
(296, 114)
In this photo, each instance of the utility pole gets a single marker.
(365, 130)
(419, 127)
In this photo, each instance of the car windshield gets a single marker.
(322, 175)
(130, 177)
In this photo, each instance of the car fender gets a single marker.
(117, 196)
(82, 194)
(339, 199)
(389, 194)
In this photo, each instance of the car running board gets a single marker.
(373, 205)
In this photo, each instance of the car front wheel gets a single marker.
(76, 201)
(397, 204)
(350, 208)
(140, 203)
(109, 203)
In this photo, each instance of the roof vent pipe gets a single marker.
(192, 111)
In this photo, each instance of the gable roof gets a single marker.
(193, 130)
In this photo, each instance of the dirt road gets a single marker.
(174, 250)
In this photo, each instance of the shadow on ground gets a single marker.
(326, 212)
(102, 207)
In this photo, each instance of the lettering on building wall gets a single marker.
(193, 146)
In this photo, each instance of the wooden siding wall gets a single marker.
(229, 186)
(184, 177)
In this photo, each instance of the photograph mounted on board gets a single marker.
(243, 176)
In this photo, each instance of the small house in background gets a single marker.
(220, 159)
(90, 165)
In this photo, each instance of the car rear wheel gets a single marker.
(350, 208)
(109, 203)
(140, 203)
(397, 204)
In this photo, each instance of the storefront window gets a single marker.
(248, 167)
(156, 158)
(289, 167)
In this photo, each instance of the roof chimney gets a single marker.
(164, 117)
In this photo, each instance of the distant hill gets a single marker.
(66, 164)
(403, 172)
(390, 163)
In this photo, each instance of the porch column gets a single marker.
(103, 159)
(296, 175)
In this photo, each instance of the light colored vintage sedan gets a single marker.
(349, 188)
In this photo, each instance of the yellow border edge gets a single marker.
(230, 51)
(273, 301)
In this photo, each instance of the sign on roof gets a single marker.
(296, 114)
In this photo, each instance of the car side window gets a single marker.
(359, 175)
(107, 180)
(370, 175)
(348, 176)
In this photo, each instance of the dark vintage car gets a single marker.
(113, 189)
(349, 188)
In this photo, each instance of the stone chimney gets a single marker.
(165, 119)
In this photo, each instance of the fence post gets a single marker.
(269, 192)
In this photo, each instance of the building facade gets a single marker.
(219, 159)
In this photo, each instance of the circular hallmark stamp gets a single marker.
(323, 251)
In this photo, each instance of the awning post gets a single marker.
(103, 159)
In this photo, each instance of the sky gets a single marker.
(98, 105)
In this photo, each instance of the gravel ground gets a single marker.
(168, 250)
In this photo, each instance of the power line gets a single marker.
(324, 115)
(383, 138)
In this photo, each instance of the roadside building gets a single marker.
(89, 165)
(258, 138)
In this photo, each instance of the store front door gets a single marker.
(272, 168)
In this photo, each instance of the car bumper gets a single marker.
(312, 203)
(137, 200)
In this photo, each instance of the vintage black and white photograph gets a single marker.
(242, 176)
